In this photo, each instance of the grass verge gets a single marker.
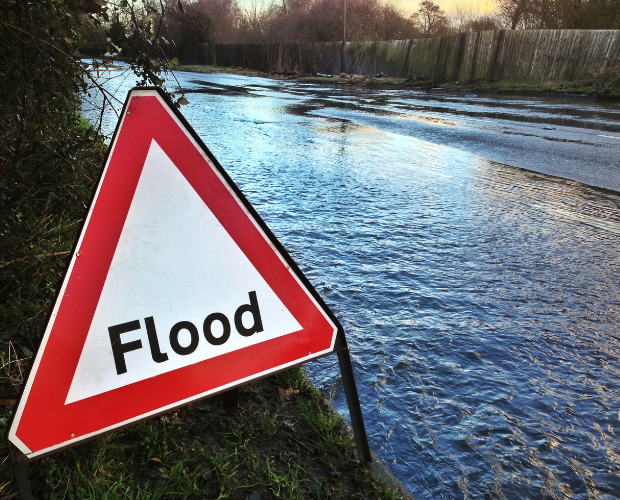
(274, 439)
(605, 84)
(593, 87)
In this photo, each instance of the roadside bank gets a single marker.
(275, 438)
(605, 86)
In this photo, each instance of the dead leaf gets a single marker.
(8, 402)
(290, 425)
(155, 459)
(286, 393)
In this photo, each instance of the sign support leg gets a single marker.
(21, 475)
(355, 410)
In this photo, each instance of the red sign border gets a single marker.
(269, 236)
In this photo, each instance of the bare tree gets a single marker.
(430, 19)
(321, 21)
(521, 13)
(395, 25)
(203, 21)
(251, 21)
(579, 14)
(481, 16)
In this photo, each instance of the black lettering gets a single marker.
(156, 354)
(118, 348)
(252, 307)
(206, 327)
(174, 338)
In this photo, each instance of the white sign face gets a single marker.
(159, 271)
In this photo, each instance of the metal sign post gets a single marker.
(176, 291)
(353, 402)
(18, 459)
(21, 474)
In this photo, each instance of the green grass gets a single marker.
(205, 68)
(591, 88)
(247, 443)
(320, 79)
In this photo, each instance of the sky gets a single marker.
(410, 6)
(449, 5)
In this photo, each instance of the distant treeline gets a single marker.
(213, 22)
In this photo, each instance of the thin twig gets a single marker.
(54, 254)
(71, 59)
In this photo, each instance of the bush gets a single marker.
(50, 158)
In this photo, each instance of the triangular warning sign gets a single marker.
(176, 290)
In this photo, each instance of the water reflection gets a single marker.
(481, 301)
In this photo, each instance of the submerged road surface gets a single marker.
(481, 300)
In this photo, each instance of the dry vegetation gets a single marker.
(274, 439)
(253, 21)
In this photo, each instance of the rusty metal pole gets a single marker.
(21, 475)
(353, 402)
(344, 36)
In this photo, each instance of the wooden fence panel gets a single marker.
(528, 56)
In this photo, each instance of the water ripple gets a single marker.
(481, 301)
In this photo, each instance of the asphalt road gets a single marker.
(577, 139)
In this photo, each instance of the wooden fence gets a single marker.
(528, 56)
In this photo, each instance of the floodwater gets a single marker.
(481, 301)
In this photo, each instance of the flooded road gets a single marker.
(481, 301)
